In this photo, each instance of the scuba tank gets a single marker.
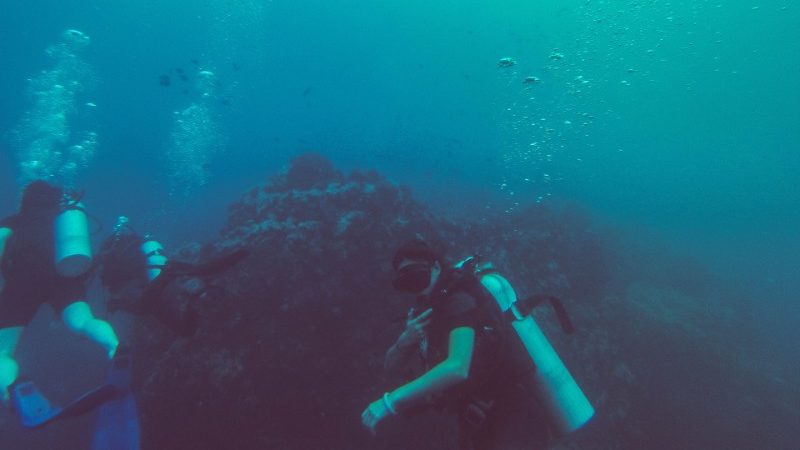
(151, 250)
(562, 398)
(155, 260)
(73, 250)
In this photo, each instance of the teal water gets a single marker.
(674, 120)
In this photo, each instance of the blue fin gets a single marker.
(90, 401)
(117, 423)
(33, 409)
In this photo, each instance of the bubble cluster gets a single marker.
(51, 140)
(193, 141)
(548, 102)
(532, 130)
(206, 83)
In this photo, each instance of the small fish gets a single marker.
(236, 66)
(90, 104)
(179, 69)
(164, 80)
(531, 80)
(184, 78)
(506, 62)
(307, 91)
(195, 62)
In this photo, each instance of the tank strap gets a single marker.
(72, 200)
(471, 267)
(527, 305)
(73, 206)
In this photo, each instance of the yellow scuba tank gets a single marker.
(564, 401)
(73, 249)
(155, 260)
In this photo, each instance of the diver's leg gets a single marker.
(78, 318)
(9, 369)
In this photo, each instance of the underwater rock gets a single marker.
(290, 348)
(297, 341)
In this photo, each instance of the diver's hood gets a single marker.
(40, 196)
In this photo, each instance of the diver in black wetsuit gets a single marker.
(28, 244)
(141, 280)
(473, 368)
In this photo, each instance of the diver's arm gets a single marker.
(5, 233)
(215, 266)
(453, 370)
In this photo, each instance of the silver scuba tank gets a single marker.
(73, 250)
(155, 260)
(562, 398)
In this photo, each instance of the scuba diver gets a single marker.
(45, 257)
(476, 344)
(141, 279)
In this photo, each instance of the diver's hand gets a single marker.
(415, 328)
(375, 412)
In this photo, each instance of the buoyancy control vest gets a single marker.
(562, 398)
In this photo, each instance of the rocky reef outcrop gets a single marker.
(290, 348)
(292, 352)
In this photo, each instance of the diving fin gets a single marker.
(33, 408)
(117, 423)
(89, 401)
(35, 411)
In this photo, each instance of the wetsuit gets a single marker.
(495, 405)
(29, 269)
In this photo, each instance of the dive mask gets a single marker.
(413, 278)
